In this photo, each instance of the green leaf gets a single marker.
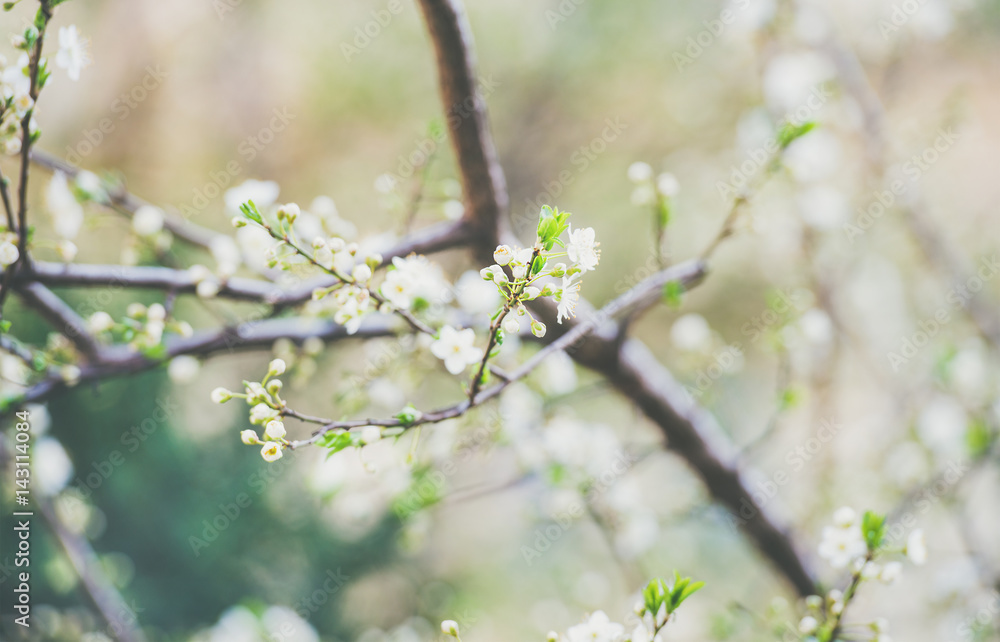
(873, 528)
(5, 325)
(538, 265)
(978, 437)
(251, 212)
(672, 291)
(334, 442)
(408, 415)
(663, 212)
(658, 594)
(791, 132)
(157, 352)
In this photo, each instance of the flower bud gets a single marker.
(371, 434)
(538, 329)
(274, 386)
(290, 211)
(450, 627)
(276, 367)
(221, 395)
(503, 254)
(238, 222)
(100, 322)
(486, 273)
(559, 270)
(275, 429)
(511, 325)
(529, 293)
(249, 437)
(361, 273)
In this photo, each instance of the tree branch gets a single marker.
(120, 618)
(483, 182)
(63, 318)
(119, 361)
(689, 429)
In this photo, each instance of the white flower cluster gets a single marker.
(15, 81)
(659, 602)
(15, 101)
(648, 191)
(844, 545)
(528, 266)
(8, 249)
(858, 543)
(266, 409)
(142, 328)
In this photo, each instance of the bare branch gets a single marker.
(689, 429)
(939, 253)
(119, 361)
(120, 618)
(483, 181)
(63, 318)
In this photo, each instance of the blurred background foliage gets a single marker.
(227, 66)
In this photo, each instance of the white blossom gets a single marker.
(8, 254)
(53, 468)
(639, 172)
(147, 220)
(262, 193)
(271, 451)
(66, 212)
(72, 55)
(456, 348)
(843, 544)
(916, 547)
(503, 254)
(582, 248)
(597, 628)
(667, 184)
(691, 332)
(569, 297)
(890, 572)
(183, 368)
